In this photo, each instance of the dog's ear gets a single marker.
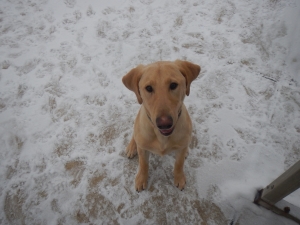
(131, 81)
(190, 71)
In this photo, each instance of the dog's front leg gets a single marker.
(142, 175)
(179, 177)
(131, 149)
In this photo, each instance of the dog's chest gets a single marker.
(163, 147)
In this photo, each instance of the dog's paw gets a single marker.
(180, 181)
(141, 182)
(186, 154)
(131, 150)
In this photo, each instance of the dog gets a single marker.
(162, 124)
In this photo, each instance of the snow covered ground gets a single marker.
(66, 118)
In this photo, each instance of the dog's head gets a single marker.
(161, 88)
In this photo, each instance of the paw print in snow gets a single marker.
(231, 144)
(70, 3)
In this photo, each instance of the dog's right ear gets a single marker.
(131, 81)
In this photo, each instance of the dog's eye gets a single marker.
(149, 89)
(173, 86)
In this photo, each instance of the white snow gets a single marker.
(66, 118)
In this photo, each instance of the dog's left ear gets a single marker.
(190, 71)
(131, 81)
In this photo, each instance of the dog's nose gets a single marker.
(164, 122)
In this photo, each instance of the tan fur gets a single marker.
(163, 104)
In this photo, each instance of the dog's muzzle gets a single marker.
(165, 124)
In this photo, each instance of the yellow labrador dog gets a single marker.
(163, 123)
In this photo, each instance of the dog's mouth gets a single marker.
(167, 129)
(166, 132)
(164, 124)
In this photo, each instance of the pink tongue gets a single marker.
(166, 131)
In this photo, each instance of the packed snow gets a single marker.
(66, 117)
